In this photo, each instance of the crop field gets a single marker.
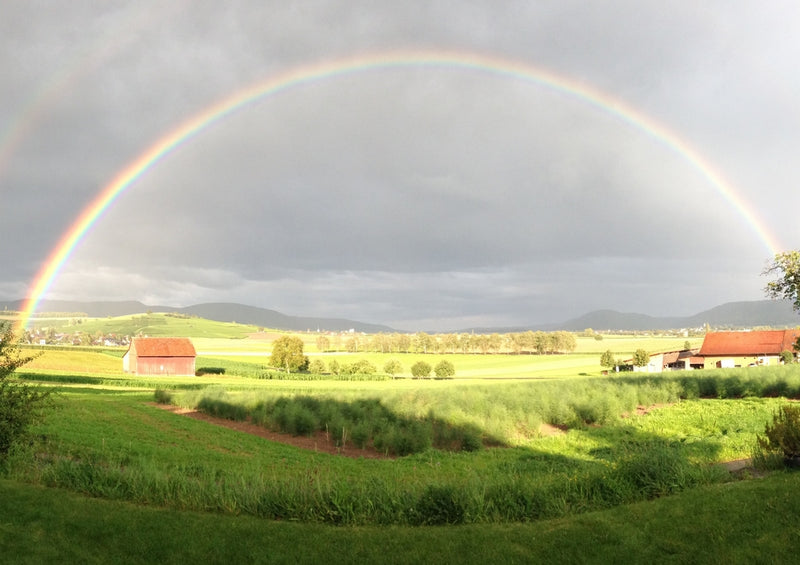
(511, 441)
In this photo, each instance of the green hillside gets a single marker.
(153, 324)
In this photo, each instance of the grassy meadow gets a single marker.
(518, 458)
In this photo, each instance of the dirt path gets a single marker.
(319, 442)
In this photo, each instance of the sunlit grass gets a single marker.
(117, 444)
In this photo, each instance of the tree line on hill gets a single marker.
(529, 342)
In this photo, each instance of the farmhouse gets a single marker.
(160, 356)
(743, 349)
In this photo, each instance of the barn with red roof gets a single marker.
(743, 349)
(160, 356)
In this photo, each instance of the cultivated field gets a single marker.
(519, 457)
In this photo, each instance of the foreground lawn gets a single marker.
(752, 521)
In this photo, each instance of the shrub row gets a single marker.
(364, 423)
(209, 371)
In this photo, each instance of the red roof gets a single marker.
(163, 347)
(671, 357)
(769, 342)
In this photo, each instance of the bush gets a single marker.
(162, 396)
(209, 371)
(392, 367)
(783, 434)
(444, 369)
(20, 404)
(362, 367)
(420, 369)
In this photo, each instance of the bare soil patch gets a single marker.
(319, 441)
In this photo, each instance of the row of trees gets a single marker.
(287, 354)
(528, 342)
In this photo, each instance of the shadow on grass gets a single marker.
(365, 423)
(122, 381)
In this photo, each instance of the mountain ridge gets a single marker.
(217, 311)
(741, 314)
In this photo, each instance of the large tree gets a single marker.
(20, 404)
(287, 353)
(786, 267)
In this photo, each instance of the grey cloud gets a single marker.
(407, 196)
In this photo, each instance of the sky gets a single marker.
(654, 171)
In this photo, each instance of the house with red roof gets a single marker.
(160, 356)
(743, 349)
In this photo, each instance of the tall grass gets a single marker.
(311, 495)
(505, 413)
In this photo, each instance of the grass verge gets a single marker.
(745, 522)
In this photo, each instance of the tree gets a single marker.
(495, 342)
(363, 367)
(607, 360)
(641, 358)
(420, 370)
(323, 343)
(287, 352)
(444, 369)
(392, 367)
(786, 266)
(20, 404)
(317, 367)
(786, 286)
(450, 341)
(422, 342)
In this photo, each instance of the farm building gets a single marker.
(743, 349)
(160, 356)
(672, 361)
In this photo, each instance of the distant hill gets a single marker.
(220, 312)
(229, 312)
(730, 315)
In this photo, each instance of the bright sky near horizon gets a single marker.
(527, 162)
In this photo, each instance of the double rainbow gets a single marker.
(404, 59)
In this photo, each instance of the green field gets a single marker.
(154, 324)
(561, 451)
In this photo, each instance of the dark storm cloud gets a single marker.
(416, 197)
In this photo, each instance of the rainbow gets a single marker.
(303, 75)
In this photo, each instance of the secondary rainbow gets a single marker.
(317, 72)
